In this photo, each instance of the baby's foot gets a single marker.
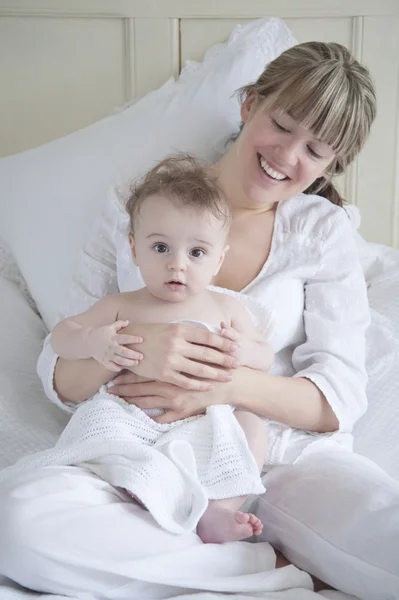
(220, 524)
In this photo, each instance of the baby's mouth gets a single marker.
(175, 283)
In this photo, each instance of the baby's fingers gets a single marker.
(129, 339)
(128, 353)
(229, 333)
(119, 325)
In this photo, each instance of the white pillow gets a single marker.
(28, 422)
(49, 196)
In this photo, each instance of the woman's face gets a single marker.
(276, 157)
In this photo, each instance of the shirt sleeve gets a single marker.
(96, 277)
(336, 316)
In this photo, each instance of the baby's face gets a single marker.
(177, 249)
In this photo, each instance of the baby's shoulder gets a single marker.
(127, 300)
(229, 303)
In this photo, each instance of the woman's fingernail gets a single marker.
(234, 364)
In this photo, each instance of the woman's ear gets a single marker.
(248, 106)
(132, 247)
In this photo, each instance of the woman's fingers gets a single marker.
(111, 366)
(210, 356)
(191, 373)
(126, 363)
(130, 378)
(147, 402)
(207, 338)
(128, 389)
(188, 383)
(169, 416)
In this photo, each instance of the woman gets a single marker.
(304, 120)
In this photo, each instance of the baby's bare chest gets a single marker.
(206, 310)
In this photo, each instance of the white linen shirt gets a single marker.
(312, 285)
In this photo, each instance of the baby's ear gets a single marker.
(132, 245)
(223, 254)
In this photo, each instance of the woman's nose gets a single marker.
(287, 153)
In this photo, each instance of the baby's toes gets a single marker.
(257, 529)
(256, 524)
(243, 518)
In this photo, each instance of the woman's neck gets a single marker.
(240, 205)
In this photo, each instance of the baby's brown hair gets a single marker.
(182, 179)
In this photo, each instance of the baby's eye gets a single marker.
(161, 248)
(197, 252)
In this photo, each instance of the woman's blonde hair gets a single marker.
(327, 91)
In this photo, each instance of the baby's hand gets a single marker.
(232, 334)
(250, 353)
(107, 346)
(229, 332)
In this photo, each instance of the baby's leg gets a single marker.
(222, 521)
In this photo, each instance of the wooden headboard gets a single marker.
(67, 63)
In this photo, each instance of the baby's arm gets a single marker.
(253, 349)
(94, 334)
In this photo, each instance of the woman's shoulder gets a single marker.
(313, 216)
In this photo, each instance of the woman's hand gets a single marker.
(188, 357)
(177, 402)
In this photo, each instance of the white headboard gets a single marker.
(67, 63)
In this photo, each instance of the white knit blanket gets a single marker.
(174, 469)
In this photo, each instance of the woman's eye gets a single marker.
(160, 248)
(313, 153)
(279, 127)
(197, 252)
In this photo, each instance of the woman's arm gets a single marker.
(296, 402)
(95, 278)
(336, 317)
(78, 380)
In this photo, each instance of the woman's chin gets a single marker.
(259, 197)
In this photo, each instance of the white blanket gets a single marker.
(29, 423)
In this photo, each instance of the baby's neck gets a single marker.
(185, 302)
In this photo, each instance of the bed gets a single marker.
(135, 47)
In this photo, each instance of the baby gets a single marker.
(179, 225)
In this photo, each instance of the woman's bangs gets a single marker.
(320, 110)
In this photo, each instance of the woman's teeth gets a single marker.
(271, 172)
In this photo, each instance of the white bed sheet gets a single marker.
(28, 422)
